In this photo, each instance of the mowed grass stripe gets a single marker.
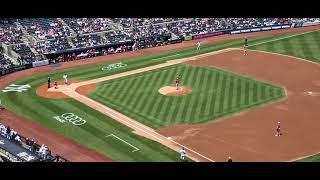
(234, 93)
(160, 108)
(210, 86)
(247, 92)
(215, 94)
(220, 79)
(255, 94)
(196, 100)
(186, 106)
(182, 110)
(227, 93)
(174, 106)
(230, 94)
(164, 108)
(239, 89)
(251, 91)
(149, 83)
(222, 94)
(204, 87)
(114, 93)
(139, 92)
(132, 90)
(243, 90)
(306, 48)
(174, 115)
(149, 103)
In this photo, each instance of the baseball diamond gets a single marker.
(126, 106)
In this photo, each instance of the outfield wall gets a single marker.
(264, 28)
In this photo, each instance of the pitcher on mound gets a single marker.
(177, 83)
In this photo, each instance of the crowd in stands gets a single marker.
(87, 40)
(88, 25)
(42, 151)
(51, 33)
(52, 45)
(5, 62)
(26, 55)
(45, 28)
(10, 33)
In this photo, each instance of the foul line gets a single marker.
(135, 148)
(286, 37)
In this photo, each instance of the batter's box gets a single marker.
(123, 141)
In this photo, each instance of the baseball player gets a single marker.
(278, 132)
(198, 45)
(55, 85)
(49, 82)
(182, 154)
(177, 83)
(245, 50)
(65, 77)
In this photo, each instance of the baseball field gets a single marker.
(124, 108)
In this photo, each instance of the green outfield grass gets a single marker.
(305, 46)
(314, 158)
(215, 93)
(98, 126)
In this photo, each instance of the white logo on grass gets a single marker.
(71, 118)
(16, 88)
(114, 66)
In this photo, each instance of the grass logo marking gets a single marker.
(16, 88)
(114, 66)
(134, 148)
(71, 118)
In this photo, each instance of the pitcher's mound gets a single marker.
(172, 91)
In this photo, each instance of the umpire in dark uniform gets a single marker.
(49, 82)
(246, 42)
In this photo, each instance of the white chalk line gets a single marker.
(135, 148)
(303, 157)
(286, 37)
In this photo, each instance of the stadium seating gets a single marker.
(9, 32)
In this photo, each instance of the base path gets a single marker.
(250, 135)
(139, 128)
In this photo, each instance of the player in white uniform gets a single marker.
(65, 77)
(198, 45)
(182, 154)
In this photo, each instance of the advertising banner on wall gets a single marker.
(267, 28)
(200, 36)
(40, 63)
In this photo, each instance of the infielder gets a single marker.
(182, 154)
(198, 45)
(65, 77)
(177, 83)
(245, 46)
(278, 132)
(245, 50)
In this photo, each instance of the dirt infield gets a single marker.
(76, 152)
(43, 90)
(172, 91)
(250, 135)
